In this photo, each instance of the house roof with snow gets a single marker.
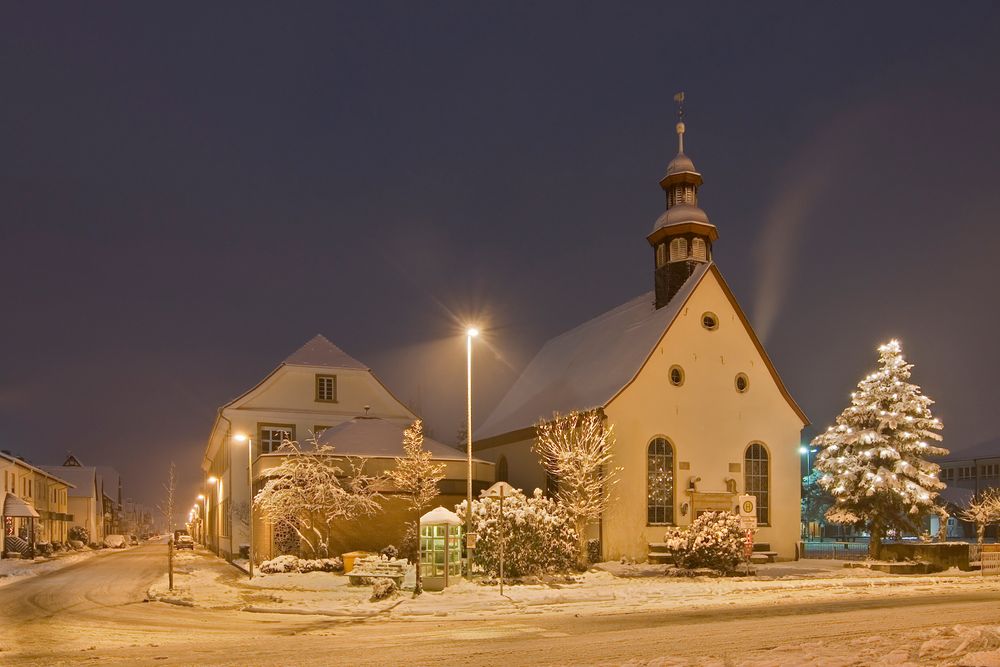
(984, 450)
(83, 478)
(319, 351)
(586, 367)
(39, 469)
(377, 438)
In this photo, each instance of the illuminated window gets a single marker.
(272, 435)
(756, 479)
(326, 388)
(659, 482)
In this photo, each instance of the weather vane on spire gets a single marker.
(679, 98)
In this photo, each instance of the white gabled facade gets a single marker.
(317, 387)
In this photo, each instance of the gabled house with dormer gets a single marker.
(319, 391)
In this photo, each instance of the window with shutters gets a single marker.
(678, 250)
(699, 250)
(661, 255)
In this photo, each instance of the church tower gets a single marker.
(682, 237)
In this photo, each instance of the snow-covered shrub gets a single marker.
(714, 540)
(539, 535)
(95, 546)
(383, 588)
(594, 550)
(77, 545)
(390, 552)
(80, 534)
(409, 545)
(43, 548)
(280, 564)
(289, 563)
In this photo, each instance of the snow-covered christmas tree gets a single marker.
(875, 460)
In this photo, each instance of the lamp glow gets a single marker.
(213, 479)
(472, 332)
(240, 437)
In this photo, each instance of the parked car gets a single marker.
(115, 541)
(184, 542)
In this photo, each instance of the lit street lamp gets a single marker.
(241, 437)
(471, 333)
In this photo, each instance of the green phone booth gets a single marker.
(440, 549)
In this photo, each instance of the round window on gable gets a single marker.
(742, 383)
(710, 321)
(676, 375)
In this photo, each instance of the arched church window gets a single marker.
(757, 479)
(699, 250)
(661, 255)
(659, 482)
(678, 249)
(502, 469)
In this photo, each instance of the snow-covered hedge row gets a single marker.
(539, 534)
(289, 563)
(714, 540)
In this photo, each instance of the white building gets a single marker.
(699, 412)
(319, 387)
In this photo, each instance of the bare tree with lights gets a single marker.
(167, 509)
(983, 509)
(309, 492)
(416, 476)
(874, 461)
(576, 451)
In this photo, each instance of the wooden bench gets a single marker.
(377, 568)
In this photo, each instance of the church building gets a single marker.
(699, 412)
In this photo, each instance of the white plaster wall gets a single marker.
(709, 423)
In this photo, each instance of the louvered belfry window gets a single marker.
(678, 250)
(699, 250)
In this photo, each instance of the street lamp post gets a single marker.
(471, 333)
(202, 519)
(212, 529)
(240, 437)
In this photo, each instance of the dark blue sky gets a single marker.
(189, 192)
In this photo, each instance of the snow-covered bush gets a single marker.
(288, 563)
(714, 540)
(383, 588)
(390, 552)
(539, 536)
(76, 545)
(43, 548)
(79, 533)
(594, 550)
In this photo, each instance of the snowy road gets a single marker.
(93, 613)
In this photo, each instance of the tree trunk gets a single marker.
(418, 588)
(875, 542)
(581, 532)
(170, 563)
(980, 533)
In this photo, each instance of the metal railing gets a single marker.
(835, 550)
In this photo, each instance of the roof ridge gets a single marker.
(320, 351)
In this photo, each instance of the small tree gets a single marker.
(167, 509)
(417, 476)
(308, 492)
(874, 461)
(983, 509)
(815, 499)
(575, 450)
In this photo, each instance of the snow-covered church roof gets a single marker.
(586, 367)
(374, 437)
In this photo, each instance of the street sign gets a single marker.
(470, 540)
(748, 511)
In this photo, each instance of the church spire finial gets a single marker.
(679, 98)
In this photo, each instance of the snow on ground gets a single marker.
(958, 646)
(205, 581)
(13, 569)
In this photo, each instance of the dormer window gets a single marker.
(326, 388)
(678, 250)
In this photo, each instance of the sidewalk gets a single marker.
(203, 580)
(15, 569)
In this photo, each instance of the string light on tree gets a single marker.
(874, 461)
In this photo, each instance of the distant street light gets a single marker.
(471, 333)
(242, 437)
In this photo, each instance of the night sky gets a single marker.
(191, 191)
